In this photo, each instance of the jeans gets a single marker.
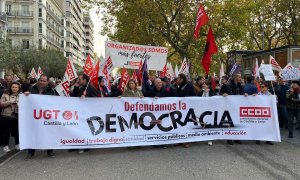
(283, 116)
(292, 114)
(9, 127)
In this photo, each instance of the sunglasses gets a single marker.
(262, 86)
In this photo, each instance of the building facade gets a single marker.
(75, 33)
(89, 35)
(38, 23)
(56, 24)
(3, 19)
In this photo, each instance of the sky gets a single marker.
(99, 40)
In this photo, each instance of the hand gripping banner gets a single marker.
(56, 122)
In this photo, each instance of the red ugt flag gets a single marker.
(88, 67)
(124, 79)
(210, 48)
(201, 20)
(163, 73)
(94, 75)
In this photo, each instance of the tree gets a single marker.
(237, 24)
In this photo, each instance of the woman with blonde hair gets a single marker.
(132, 90)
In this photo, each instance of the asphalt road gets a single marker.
(200, 161)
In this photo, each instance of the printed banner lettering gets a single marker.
(57, 122)
(130, 55)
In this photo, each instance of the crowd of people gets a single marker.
(287, 93)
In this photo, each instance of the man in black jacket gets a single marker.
(237, 89)
(185, 88)
(42, 88)
(83, 88)
(158, 90)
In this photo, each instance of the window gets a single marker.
(25, 10)
(25, 44)
(25, 27)
(40, 12)
(40, 28)
(8, 9)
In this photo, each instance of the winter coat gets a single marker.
(132, 93)
(185, 90)
(155, 93)
(46, 91)
(90, 91)
(9, 104)
(225, 88)
(236, 88)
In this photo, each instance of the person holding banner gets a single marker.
(236, 89)
(225, 89)
(42, 88)
(249, 87)
(207, 92)
(264, 91)
(281, 90)
(185, 89)
(9, 113)
(293, 108)
(82, 89)
(132, 90)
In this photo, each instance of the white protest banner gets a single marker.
(290, 73)
(129, 55)
(57, 122)
(267, 71)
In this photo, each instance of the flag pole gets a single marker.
(84, 93)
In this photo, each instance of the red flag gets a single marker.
(210, 48)
(94, 75)
(140, 72)
(163, 73)
(201, 20)
(88, 67)
(124, 79)
(134, 76)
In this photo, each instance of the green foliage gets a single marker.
(237, 24)
(20, 61)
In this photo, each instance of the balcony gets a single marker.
(26, 14)
(54, 42)
(20, 30)
(3, 17)
(55, 29)
(53, 15)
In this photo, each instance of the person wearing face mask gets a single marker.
(9, 104)
(293, 108)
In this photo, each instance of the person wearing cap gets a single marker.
(293, 108)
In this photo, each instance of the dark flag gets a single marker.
(210, 49)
